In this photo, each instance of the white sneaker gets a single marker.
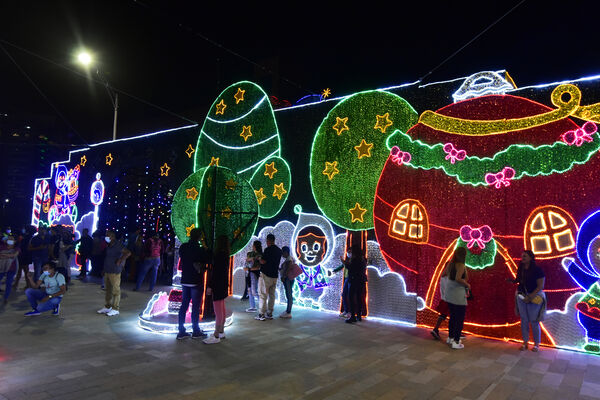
(104, 310)
(112, 313)
(448, 341)
(211, 340)
(285, 315)
(250, 310)
(457, 346)
(222, 335)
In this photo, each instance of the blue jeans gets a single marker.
(253, 289)
(193, 293)
(529, 313)
(150, 265)
(35, 295)
(37, 267)
(288, 284)
(10, 275)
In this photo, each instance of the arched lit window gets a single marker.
(550, 232)
(409, 222)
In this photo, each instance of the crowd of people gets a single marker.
(50, 253)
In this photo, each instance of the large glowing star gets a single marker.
(246, 132)
(109, 159)
(549, 232)
(383, 122)
(364, 149)
(239, 95)
(164, 170)
(221, 106)
(331, 169)
(83, 160)
(357, 213)
(260, 196)
(270, 170)
(278, 190)
(189, 151)
(409, 222)
(340, 125)
(191, 193)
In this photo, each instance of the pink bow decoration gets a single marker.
(453, 154)
(398, 156)
(501, 178)
(479, 236)
(580, 135)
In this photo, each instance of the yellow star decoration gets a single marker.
(208, 211)
(109, 159)
(230, 184)
(209, 181)
(238, 233)
(214, 161)
(189, 151)
(83, 160)
(383, 122)
(326, 93)
(357, 213)
(164, 170)
(260, 196)
(226, 213)
(270, 170)
(364, 149)
(331, 169)
(246, 132)
(340, 125)
(221, 107)
(279, 191)
(191, 193)
(188, 229)
(239, 96)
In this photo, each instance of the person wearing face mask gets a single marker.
(8, 263)
(114, 261)
(49, 298)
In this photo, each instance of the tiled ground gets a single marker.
(82, 355)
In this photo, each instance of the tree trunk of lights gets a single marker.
(359, 238)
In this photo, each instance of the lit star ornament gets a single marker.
(226, 213)
(331, 169)
(326, 93)
(260, 196)
(164, 170)
(364, 149)
(270, 170)
(230, 184)
(189, 151)
(383, 122)
(239, 96)
(109, 159)
(357, 213)
(246, 132)
(221, 107)
(214, 161)
(279, 191)
(83, 160)
(340, 125)
(188, 229)
(238, 233)
(191, 193)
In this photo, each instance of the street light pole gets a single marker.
(116, 107)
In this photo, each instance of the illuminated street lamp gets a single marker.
(86, 60)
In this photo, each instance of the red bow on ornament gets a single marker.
(578, 136)
(399, 157)
(501, 178)
(453, 154)
(479, 236)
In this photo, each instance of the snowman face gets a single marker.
(310, 249)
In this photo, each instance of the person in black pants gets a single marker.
(193, 260)
(86, 244)
(456, 296)
(357, 268)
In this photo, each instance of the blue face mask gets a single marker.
(45, 273)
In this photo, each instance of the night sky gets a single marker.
(171, 56)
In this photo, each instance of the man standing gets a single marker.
(192, 259)
(114, 260)
(153, 250)
(51, 296)
(268, 279)
(38, 248)
(86, 245)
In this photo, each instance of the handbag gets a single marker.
(293, 271)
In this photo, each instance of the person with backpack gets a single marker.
(456, 296)
(152, 253)
(49, 298)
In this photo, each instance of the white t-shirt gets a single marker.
(53, 283)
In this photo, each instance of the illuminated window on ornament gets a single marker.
(549, 232)
(409, 222)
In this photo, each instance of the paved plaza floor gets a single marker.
(83, 355)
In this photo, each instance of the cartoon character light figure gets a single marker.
(67, 190)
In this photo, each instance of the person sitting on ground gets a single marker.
(49, 298)
(288, 283)
(9, 263)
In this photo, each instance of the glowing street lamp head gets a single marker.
(84, 58)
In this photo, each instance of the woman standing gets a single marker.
(218, 286)
(456, 296)
(530, 299)
(357, 266)
(253, 269)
